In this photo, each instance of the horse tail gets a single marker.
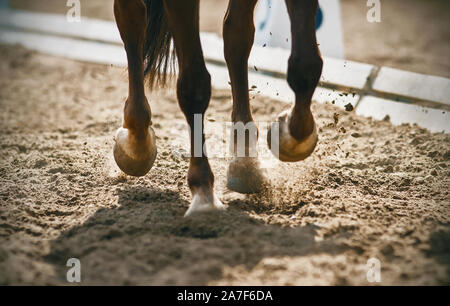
(159, 59)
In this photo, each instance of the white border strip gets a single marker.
(412, 85)
(90, 29)
(435, 120)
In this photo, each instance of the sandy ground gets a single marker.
(369, 190)
(413, 35)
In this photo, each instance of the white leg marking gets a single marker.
(203, 200)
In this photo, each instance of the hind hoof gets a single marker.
(289, 148)
(203, 200)
(245, 175)
(135, 156)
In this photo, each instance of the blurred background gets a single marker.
(413, 35)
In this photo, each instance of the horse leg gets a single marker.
(297, 129)
(135, 147)
(244, 174)
(194, 93)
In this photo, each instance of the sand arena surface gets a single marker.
(369, 190)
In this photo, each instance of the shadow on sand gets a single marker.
(146, 241)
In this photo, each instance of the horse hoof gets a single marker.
(245, 175)
(290, 149)
(135, 156)
(204, 199)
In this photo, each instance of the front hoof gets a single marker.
(286, 148)
(204, 199)
(245, 175)
(135, 156)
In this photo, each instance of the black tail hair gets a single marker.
(159, 59)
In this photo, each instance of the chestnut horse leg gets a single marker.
(244, 174)
(194, 92)
(135, 147)
(297, 129)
